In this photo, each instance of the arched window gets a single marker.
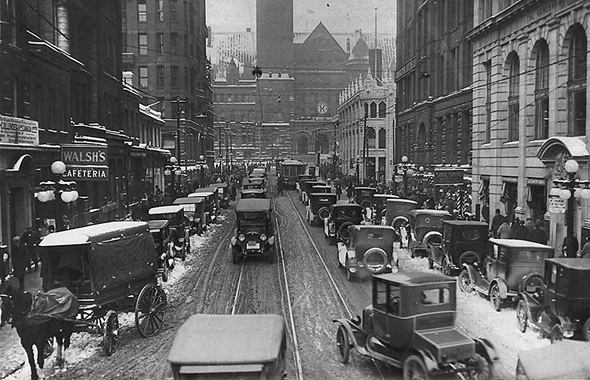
(302, 145)
(513, 100)
(422, 136)
(576, 84)
(322, 144)
(382, 138)
(366, 110)
(370, 137)
(541, 89)
(373, 109)
(382, 110)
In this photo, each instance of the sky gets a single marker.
(339, 16)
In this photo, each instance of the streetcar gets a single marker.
(290, 169)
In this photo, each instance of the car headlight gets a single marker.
(241, 237)
(263, 237)
(271, 240)
(190, 218)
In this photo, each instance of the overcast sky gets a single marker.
(339, 16)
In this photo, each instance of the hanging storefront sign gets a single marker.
(14, 130)
(85, 162)
(448, 177)
(86, 173)
(557, 205)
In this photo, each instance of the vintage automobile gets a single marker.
(369, 248)
(213, 190)
(258, 172)
(252, 193)
(561, 306)
(257, 180)
(160, 231)
(341, 217)
(300, 184)
(211, 209)
(411, 325)
(213, 347)
(563, 360)
(194, 211)
(309, 185)
(426, 229)
(463, 242)
(319, 207)
(363, 196)
(179, 231)
(378, 210)
(222, 193)
(254, 230)
(511, 266)
(395, 212)
(321, 189)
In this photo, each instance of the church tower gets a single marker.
(274, 35)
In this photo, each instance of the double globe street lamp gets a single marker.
(61, 190)
(569, 190)
(405, 170)
(174, 171)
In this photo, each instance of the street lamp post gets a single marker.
(202, 166)
(61, 190)
(173, 171)
(570, 189)
(405, 169)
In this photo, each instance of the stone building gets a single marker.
(530, 106)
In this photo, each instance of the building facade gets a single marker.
(433, 78)
(530, 106)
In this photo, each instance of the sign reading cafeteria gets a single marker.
(85, 162)
(14, 130)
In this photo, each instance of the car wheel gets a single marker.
(556, 334)
(495, 298)
(521, 316)
(484, 370)
(338, 259)
(414, 369)
(446, 267)
(465, 282)
(165, 271)
(343, 344)
(586, 330)
(348, 273)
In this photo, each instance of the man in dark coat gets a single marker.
(19, 262)
(538, 235)
(497, 220)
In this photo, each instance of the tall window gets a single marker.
(160, 37)
(373, 110)
(576, 85)
(7, 24)
(143, 76)
(541, 90)
(160, 70)
(174, 43)
(488, 123)
(141, 11)
(513, 103)
(174, 76)
(370, 138)
(382, 110)
(143, 44)
(172, 10)
(160, 10)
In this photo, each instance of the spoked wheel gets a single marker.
(343, 344)
(149, 310)
(111, 333)
(484, 370)
(495, 298)
(556, 334)
(521, 316)
(446, 267)
(414, 369)
(465, 284)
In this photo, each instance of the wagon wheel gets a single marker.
(149, 310)
(556, 334)
(521, 316)
(495, 298)
(111, 333)
(414, 369)
(465, 284)
(484, 370)
(342, 344)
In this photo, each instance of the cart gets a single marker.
(110, 268)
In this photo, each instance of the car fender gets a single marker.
(431, 235)
(526, 278)
(501, 285)
(342, 252)
(472, 272)
(233, 241)
(486, 349)
(427, 357)
(350, 328)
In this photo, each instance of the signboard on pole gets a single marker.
(557, 205)
(449, 176)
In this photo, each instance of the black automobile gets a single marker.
(363, 196)
(341, 217)
(160, 231)
(319, 207)
(254, 230)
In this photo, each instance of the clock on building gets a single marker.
(322, 108)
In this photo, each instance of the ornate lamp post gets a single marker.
(173, 171)
(202, 167)
(60, 190)
(570, 189)
(405, 170)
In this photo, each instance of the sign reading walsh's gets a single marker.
(85, 162)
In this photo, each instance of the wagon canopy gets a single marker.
(565, 359)
(119, 251)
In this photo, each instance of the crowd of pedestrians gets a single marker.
(502, 228)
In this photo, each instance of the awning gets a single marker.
(575, 147)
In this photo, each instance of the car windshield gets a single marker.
(252, 218)
(526, 255)
(437, 296)
(352, 213)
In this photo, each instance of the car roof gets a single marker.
(347, 205)
(204, 193)
(373, 227)
(251, 191)
(87, 234)
(227, 339)
(170, 209)
(333, 195)
(565, 359)
(517, 243)
(396, 200)
(188, 200)
(365, 188)
(321, 187)
(245, 205)
(572, 263)
(157, 223)
(428, 212)
(386, 196)
(464, 223)
(414, 278)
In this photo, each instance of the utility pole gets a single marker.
(365, 153)
(219, 146)
(334, 156)
(257, 72)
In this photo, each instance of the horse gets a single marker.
(34, 329)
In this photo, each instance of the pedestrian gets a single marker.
(514, 227)
(26, 243)
(349, 190)
(572, 242)
(338, 190)
(585, 252)
(537, 234)
(19, 262)
(280, 184)
(529, 224)
(504, 231)
(4, 257)
(497, 220)
(521, 232)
